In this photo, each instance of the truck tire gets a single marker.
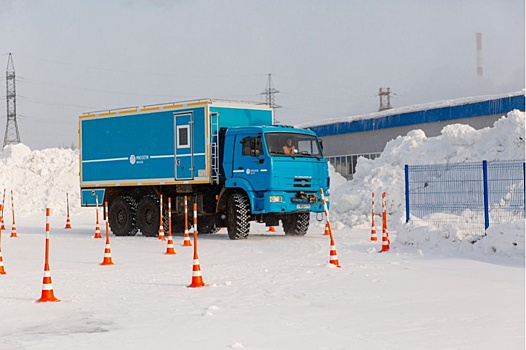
(122, 216)
(238, 211)
(148, 216)
(296, 224)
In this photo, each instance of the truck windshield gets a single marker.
(292, 144)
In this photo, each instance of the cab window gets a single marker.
(251, 146)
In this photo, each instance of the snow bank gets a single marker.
(504, 240)
(351, 204)
(39, 179)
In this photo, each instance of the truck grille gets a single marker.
(302, 183)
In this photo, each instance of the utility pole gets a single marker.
(11, 130)
(269, 94)
(385, 99)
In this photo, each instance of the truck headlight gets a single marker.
(275, 199)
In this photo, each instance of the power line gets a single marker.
(138, 72)
(48, 103)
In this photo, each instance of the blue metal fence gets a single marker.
(468, 196)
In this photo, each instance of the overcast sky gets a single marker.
(327, 58)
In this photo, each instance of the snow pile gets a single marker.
(337, 180)
(351, 204)
(505, 240)
(39, 180)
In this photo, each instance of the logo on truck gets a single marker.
(138, 159)
(251, 171)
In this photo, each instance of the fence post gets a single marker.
(407, 215)
(486, 195)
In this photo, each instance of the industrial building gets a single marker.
(346, 139)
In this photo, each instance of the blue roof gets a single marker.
(501, 105)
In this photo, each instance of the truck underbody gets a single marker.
(134, 209)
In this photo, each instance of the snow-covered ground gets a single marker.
(270, 291)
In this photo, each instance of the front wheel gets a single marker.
(238, 211)
(296, 224)
(121, 216)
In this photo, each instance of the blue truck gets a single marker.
(226, 156)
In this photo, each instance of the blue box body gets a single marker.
(157, 145)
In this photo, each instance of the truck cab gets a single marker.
(273, 173)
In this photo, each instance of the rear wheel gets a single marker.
(121, 216)
(238, 216)
(148, 216)
(296, 224)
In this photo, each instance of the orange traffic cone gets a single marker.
(374, 238)
(170, 246)
(333, 259)
(47, 285)
(385, 242)
(333, 256)
(2, 227)
(68, 222)
(170, 243)
(13, 231)
(107, 250)
(186, 241)
(2, 270)
(271, 229)
(97, 225)
(13, 228)
(2, 212)
(107, 253)
(161, 228)
(97, 230)
(197, 278)
(385, 234)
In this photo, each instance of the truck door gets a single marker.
(249, 161)
(184, 155)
